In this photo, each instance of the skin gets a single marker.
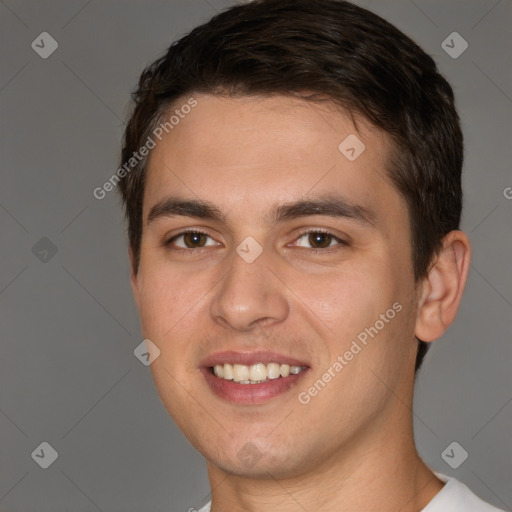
(351, 447)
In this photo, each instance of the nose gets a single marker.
(250, 296)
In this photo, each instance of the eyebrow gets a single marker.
(329, 206)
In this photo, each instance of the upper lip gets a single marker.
(249, 358)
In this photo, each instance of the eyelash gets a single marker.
(341, 242)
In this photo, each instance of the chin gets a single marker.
(255, 459)
(261, 466)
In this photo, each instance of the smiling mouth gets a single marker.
(252, 378)
(256, 373)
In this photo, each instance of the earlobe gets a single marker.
(443, 287)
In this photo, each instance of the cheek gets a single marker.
(350, 301)
(160, 312)
(368, 314)
(166, 307)
(165, 295)
(155, 305)
(172, 308)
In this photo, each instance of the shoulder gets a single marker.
(206, 508)
(456, 497)
(453, 497)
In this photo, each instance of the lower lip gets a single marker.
(252, 394)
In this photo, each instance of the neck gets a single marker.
(380, 471)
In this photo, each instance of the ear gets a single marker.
(134, 278)
(442, 288)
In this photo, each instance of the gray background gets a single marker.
(69, 325)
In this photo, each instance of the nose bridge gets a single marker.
(250, 293)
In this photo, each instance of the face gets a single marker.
(274, 252)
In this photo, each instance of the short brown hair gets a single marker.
(318, 49)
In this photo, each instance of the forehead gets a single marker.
(249, 153)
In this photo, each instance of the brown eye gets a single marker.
(193, 240)
(318, 240)
(190, 240)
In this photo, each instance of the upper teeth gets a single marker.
(255, 373)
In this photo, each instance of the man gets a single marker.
(293, 194)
